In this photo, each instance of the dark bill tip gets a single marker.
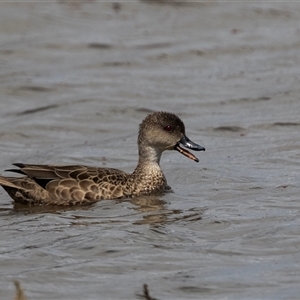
(186, 142)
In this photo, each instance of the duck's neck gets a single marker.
(147, 176)
(149, 155)
(149, 159)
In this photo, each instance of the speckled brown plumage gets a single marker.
(78, 185)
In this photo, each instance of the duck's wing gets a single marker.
(43, 174)
(72, 185)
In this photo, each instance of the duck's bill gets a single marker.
(186, 142)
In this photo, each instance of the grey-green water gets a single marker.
(77, 79)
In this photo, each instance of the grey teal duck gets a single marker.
(79, 185)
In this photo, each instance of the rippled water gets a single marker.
(77, 79)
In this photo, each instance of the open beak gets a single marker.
(187, 143)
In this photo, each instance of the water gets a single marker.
(77, 79)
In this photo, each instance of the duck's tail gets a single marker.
(19, 188)
(7, 182)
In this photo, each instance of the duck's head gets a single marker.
(165, 131)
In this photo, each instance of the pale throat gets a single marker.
(149, 155)
(148, 172)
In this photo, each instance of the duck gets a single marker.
(70, 185)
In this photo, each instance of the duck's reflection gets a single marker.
(154, 210)
(148, 203)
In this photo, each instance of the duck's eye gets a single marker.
(168, 128)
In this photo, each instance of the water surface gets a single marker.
(77, 79)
